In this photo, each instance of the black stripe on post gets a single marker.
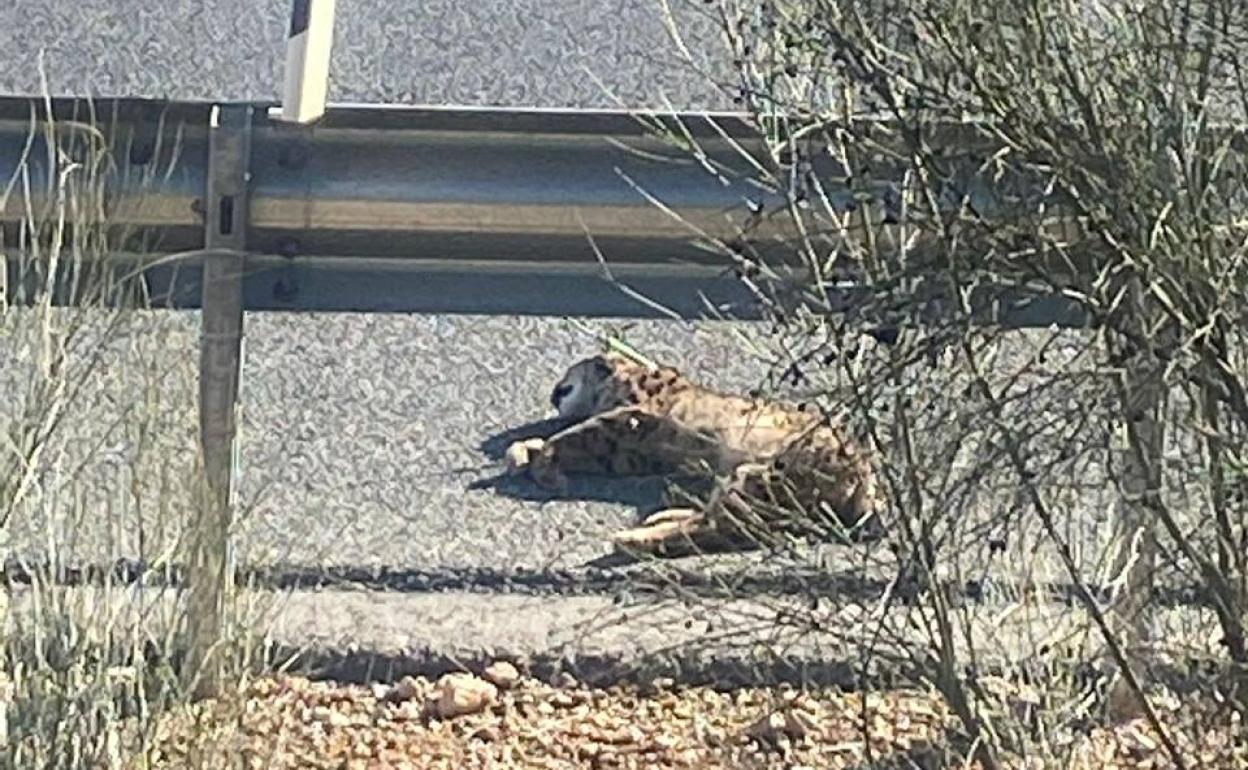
(299, 17)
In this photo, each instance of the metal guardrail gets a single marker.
(428, 209)
(380, 208)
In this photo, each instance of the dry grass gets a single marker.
(74, 491)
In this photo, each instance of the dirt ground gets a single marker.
(461, 721)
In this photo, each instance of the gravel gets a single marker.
(535, 725)
(290, 722)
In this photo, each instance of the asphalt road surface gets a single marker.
(366, 439)
(546, 53)
(363, 433)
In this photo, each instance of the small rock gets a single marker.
(565, 681)
(501, 674)
(714, 737)
(659, 685)
(567, 700)
(488, 734)
(766, 726)
(458, 694)
(590, 750)
(407, 711)
(607, 758)
(777, 727)
(328, 716)
(406, 689)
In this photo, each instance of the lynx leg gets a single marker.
(770, 504)
(663, 534)
(685, 531)
(745, 511)
(669, 515)
(622, 442)
(735, 506)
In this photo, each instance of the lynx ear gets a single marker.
(601, 367)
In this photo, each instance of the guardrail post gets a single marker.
(210, 568)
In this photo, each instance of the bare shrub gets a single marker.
(1015, 263)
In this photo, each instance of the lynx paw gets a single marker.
(527, 457)
(521, 453)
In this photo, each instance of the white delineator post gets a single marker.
(308, 44)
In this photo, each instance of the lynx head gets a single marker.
(577, 393)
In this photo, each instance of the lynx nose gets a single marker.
(559, 394)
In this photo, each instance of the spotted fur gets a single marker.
(778, 469)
